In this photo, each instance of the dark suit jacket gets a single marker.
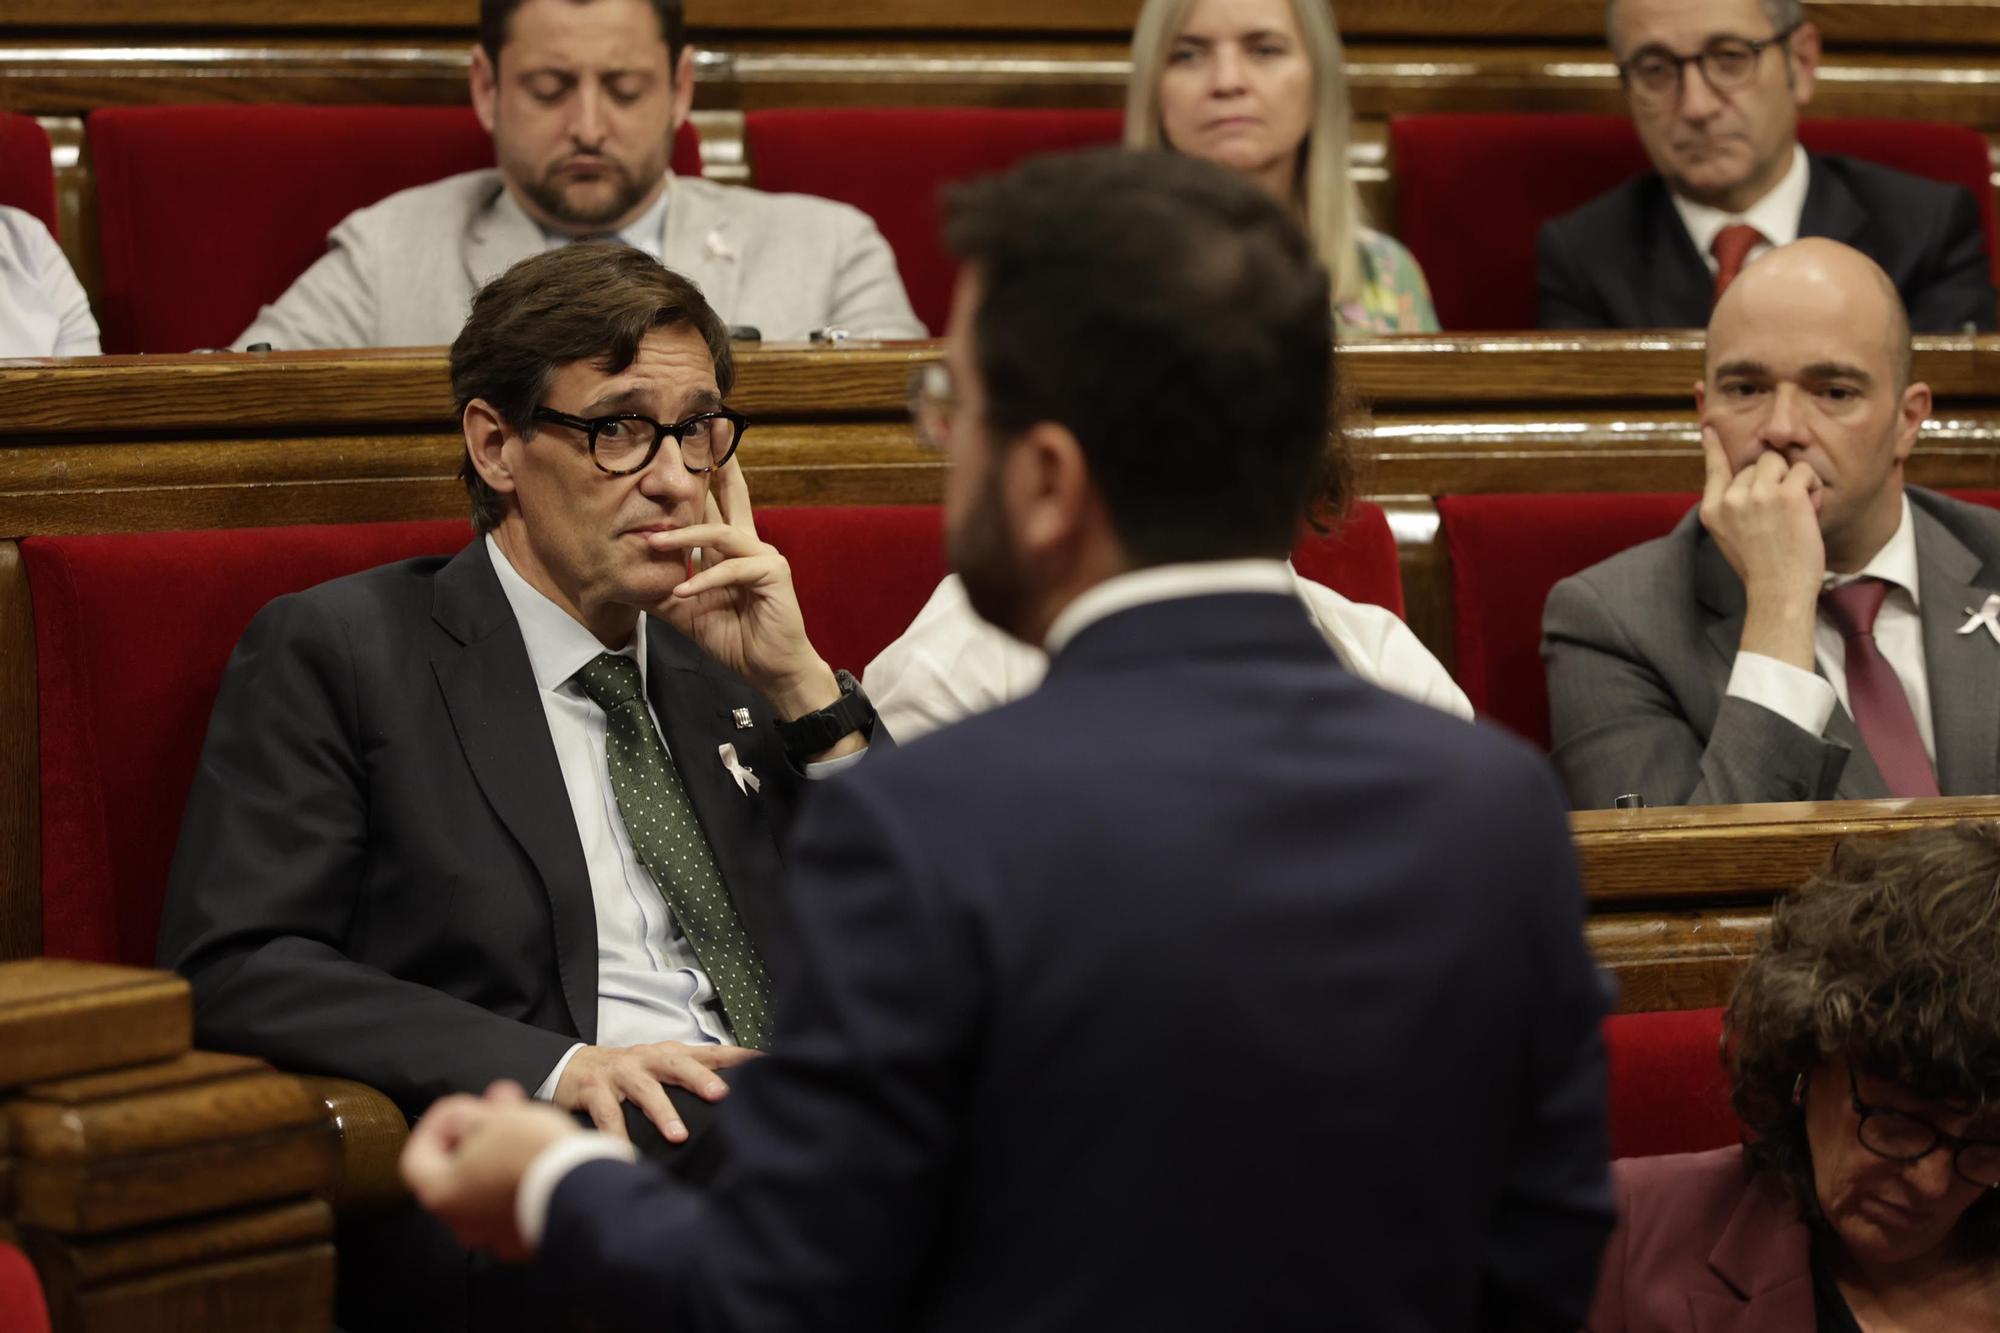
(1639, 649)
(378, 875)
(1624, 261)
(1703, 1246)
(1207, 987)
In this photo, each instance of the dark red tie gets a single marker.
(1875, 696)
(1732, 245)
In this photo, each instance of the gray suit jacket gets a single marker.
(1639, 649)
(402, 273)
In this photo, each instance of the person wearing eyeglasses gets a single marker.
(1715, 89)
(1863, 1042)
(518, 813)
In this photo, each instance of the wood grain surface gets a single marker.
(93, 1261)
(372, 1132)
(20, 775)
(289, 1290)
(60, 1017)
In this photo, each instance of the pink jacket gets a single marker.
(1701, 1246)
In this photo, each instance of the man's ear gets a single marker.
(485, 80)
(683, 73)
(1911, 414)
(1805, 47)
(486, 436)
(1700, 397)
(1047, 487)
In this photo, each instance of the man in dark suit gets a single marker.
(1816, 629)
(518, 813)
(1205, 987)
(1715, 89)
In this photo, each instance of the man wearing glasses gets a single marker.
(1715, 88)
(517, 813)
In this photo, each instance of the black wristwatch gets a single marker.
(816, 733)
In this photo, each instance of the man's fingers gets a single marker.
(646, 1094)
(722, 1057)
(731, 492)
(602, 1103)
(714, 539)
(744, 572)
(1715, 465)
(683, 1071)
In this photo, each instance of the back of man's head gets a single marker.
(496, 15)
(1174, 320)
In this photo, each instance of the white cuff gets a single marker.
(547, 1092)
(1800, 697)
(822, 769)
(551, 1165)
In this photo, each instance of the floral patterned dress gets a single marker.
(1396, 299)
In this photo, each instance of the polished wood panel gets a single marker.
(372, 1133)
(60, 1017)
(20, 778)
(289, 1289)
(1675, 959)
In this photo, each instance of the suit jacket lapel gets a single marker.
(489, 690)
(1831, 209)
(702, 243)
(694, 704)
(499, 236)
(1721, 592)
(1764, 1259)
(1963, 669)
(1682, 288)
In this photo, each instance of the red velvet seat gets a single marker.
(120, 733)
(1472, 190)
(206, 213)
(27, 173)
(1506, 552)
(22, 1309)
(891, 163)
(1669, 1092)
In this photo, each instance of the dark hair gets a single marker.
(494, 16)
(590, 301)
(1891, 957)
(1174, 319)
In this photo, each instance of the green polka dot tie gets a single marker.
(661, 824)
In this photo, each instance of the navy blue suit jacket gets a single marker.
(1624, 261)
(1207, 987)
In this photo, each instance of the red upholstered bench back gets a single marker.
(22, 1309)
(892, 164)
(1473, 189)
(206, 213)
(1669, 1092)
(27, 173)
(1506, 552)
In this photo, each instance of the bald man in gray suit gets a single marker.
(1726, 662)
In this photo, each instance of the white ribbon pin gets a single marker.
(746, 781)
(719, 248)
(1987, 615)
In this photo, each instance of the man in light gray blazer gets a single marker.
(1816, 629)
(583, 98)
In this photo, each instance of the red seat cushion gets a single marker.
(27, 172)
(22, 1309)
(1506, 552)
(862, 573)
(1526, 169)
(892, 164)
(206, 213)
(1669, 1091)
(1358, 559)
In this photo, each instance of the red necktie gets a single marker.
(1730, 247)
(1875, 696)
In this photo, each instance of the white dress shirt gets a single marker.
(1807, 700)
(950, 664)
(43, 311)
(1776, 215)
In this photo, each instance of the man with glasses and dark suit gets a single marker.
(518, 813)
(1715, 88)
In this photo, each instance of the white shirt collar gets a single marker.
(646, 232)
(1776, 214)
(559, 645)
(1161, 583)
(1895, 564)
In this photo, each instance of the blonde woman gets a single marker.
(1259, 87)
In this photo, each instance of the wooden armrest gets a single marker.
(371, 1131)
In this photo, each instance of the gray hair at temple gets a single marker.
(1782, 13)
